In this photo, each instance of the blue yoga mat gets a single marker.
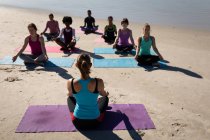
(119, 63)
(52, 62)
(112, 51)
(115, 63)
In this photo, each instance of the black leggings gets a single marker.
(109, 39)
(83, 124)
(50, 36)
(124, 48)
(148, 59)
(64, 45)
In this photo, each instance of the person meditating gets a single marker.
(89, 24)
(86, 109)
(53, 27)
(122, 41)
(110, 31)
(69, 41)
(143, 52)
(38, 52)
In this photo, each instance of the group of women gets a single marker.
(86, 109)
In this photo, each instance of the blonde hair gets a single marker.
(146, 25)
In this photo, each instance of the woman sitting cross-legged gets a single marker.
(143, 53)
(89, 24)
(110, 31)
(38, 52)
(69, 40)
(86, 109)
(122, 41)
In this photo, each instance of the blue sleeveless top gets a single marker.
(86, 102)
(145, 46)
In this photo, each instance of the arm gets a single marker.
(117, 38)
(84, 24)
(21, 50)
(131, 38)
(104, 31)
(115, 30)
(101, 88)
(61, 33)
(41, 39)
(73, 35)
(58, 28)
(45, 29)
(155, 48)
(94, 22)
(69, 88)
(138, 48)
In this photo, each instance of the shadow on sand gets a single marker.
(174, 69)
(79, 51)
(105, 131)
(59, 70)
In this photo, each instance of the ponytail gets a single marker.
(84, 64)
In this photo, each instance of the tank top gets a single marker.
(35, 46)
(67, 35)
(145, 46)
(110, 31)
(124, 37)
(86, 101)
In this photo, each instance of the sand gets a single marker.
(177, 98)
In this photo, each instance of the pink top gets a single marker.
(35, 46)
(53, 26)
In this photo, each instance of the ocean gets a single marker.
(184, 13)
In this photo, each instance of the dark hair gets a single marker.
(84, 64)
(146, 25)
(125, 20)
(110, 17)
(67, 19)
(51, 15)
(89, 11)
(33, 26)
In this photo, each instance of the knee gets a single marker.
(21, 55)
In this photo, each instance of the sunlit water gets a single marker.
(185, 13)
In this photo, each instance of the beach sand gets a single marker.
(177, 98)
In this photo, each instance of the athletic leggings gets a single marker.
(29, 58)
(124, 48)
(50, 36)
(63, 45)
(109, 39)
(148, 59)
(88, 124)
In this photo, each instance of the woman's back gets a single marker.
(86, 98)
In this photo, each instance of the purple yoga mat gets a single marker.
(56, 118)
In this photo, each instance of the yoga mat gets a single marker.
(56, 118)
(49, 49)
(112, 51)
(108, 51)
(119, 63)
(52, 62)
(115, 63)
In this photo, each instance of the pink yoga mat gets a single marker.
(56, 118)
(49, 49)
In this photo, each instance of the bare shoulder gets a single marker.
(152, 37)
(130, 30)
(41, 38)
(100, 82)
(27, 38)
